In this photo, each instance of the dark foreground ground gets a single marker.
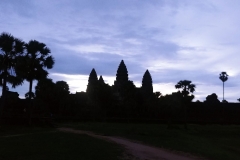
(209, 141)
(219, 142)
(24, 143)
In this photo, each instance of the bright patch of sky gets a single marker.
(174, 39)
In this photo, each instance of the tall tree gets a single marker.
(223, 77)
(10, 49)
(186, 87)
(36, 60)
(32, 66)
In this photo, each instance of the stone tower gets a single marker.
(92, 80)
(147, 88)
(101, 81)
(122, 75)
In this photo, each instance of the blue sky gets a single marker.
(174, 39)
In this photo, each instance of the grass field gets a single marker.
(49, 144)
(210, 141)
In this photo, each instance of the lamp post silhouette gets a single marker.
(223, 77)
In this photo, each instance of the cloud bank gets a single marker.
(174, 40)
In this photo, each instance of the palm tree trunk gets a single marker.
(30, 89)
(223, 91)
(30, 103)
(4, 87)
(223, 106)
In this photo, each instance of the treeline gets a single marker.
(22, 61)
(53, 100)
(121, 102)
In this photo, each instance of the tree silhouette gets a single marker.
(186, 88)
(53, 96)
(36, 60)
(44, 89)
(62, 87)
(223, 77)
(10, 49)
(213, 98)
(33, 64)
(45, 92)
(238, 99)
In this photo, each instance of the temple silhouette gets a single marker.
(120, 102)
(121, 83)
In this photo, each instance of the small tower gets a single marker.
(101, 81)
(147, 88)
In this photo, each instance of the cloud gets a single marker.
(76, 82)
(175, 40)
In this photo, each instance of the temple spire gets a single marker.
(92, 80)
(101, 81)
(147, 87)
(122, 73)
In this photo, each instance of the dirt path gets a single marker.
(137, 150)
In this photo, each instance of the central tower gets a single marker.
(122, 75)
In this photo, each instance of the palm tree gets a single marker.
(33, 65)
(223, 77)
(36, 60)
(186, 87)
(10, 49)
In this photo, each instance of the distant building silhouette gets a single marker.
(121, 79)
(122, 75)
(122, 85)
(101, 81)
(147, 88)
(92, 81)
